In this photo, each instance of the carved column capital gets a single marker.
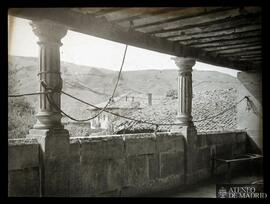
(184, 64)
(48, 32)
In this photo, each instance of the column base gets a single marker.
(54, 160)
(48, 120)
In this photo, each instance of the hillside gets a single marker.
(96, 84)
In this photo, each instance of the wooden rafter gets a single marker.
(203, 18)
(227, 32)
(228, 47)
(218, 25)
(238, 41)
(237, 50)
(171, 15)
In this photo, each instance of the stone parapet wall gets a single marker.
(23, 168)
(124, 165)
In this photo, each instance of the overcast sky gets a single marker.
(91, 51)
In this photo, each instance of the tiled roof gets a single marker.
(120, 102)
(204, 104)
(125, 101)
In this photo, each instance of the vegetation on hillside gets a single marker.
(20, 113)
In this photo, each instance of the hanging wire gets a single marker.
(115, 87)
(222, 112)
(147, 122)
(27, 94)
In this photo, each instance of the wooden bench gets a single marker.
(216, 161)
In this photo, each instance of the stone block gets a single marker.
(75, 151)
(241, 137)
(239, 148)
(102, 147)
(170, 142)
(171, 163)
(23, 156)
(140, 144)
(224, 150)
(203, 158)
(137, 170)
(201, 140)
(54, 145)
(220, 138)
(153, 164)
(24, 183)
(75, 178)
(228, 138)
(102, 176)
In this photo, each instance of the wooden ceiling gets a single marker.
(224, 36)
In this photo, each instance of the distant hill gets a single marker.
(95, 84)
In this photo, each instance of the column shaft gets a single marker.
(49, 36)
(184, 116)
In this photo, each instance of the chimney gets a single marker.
(149, 99)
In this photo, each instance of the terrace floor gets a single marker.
(206, 189)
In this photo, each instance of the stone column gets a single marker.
(49, 132)
(184, 90)
(184, 117)
(49, 71)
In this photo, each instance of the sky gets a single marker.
(88, 50)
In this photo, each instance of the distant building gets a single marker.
(130, 102)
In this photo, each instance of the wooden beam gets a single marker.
(179, 12)
(249, 56)
(228, 47)
(127, 13)
(203, 18)
(95, 10)
(222, 32)
(139, 13)
(256, 51)
(106, 11)
(222, 38)
(237, 41)
(217, 25)
(87, 24)
(236, 50)
(251, 59)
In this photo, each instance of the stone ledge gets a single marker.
(101, 138)
(22, 141)
(220, 132)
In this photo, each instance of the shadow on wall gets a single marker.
(252, 147)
